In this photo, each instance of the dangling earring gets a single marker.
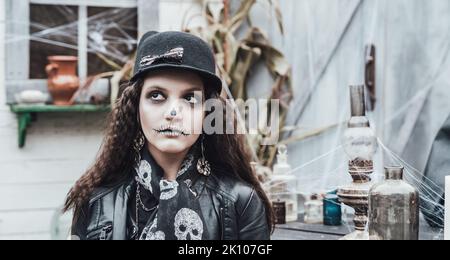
(203, 166)
(139, 144)
(140, 138)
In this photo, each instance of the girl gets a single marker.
(159, 176)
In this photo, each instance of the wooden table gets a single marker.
(302, 231)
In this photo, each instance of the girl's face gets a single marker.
(171, 110)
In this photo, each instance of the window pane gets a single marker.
(54, 31)
(112, 35)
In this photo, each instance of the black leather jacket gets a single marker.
(232, 211)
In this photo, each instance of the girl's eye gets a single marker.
(193, 99)
(156, 96)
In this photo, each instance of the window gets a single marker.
(101, 33)
(53, 31)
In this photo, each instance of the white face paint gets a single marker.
(166, 91)
(145, 175)
(169, 189)
(188, 225)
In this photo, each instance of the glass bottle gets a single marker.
(279, 209)
(314, 210)
(283, 185)
(360, 141)
(360, 144)
(332, 212)
(393, 208)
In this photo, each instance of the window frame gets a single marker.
(17, 52)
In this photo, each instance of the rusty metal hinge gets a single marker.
(370, 76)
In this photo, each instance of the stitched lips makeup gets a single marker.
(171, 131)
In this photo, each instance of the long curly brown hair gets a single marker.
(118, 154)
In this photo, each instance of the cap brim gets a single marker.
(210, 79)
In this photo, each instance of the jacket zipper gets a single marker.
(106, 230)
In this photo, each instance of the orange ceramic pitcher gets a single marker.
(63, 81)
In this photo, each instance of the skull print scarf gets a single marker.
(177, 214)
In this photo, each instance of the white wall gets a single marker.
(174, 14)
(35, 179)
(2, 54)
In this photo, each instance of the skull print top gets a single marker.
(166, 210)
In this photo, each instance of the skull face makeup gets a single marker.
(145, 175)
(162, 93)
(188, 225)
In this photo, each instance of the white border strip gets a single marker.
(95, 3)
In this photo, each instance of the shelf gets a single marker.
(26, 114)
